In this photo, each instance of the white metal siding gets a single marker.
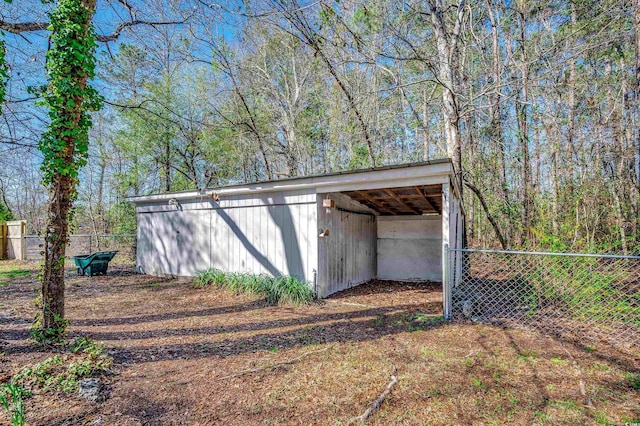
(257, 234)
(274, 240)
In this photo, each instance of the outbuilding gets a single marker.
(334, 231)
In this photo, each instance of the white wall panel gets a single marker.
(174, 242)
(249, 236)
(410, 248)
(347, 257)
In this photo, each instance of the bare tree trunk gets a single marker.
(571, 116)
(308, 35)
(350, 99)
(447, 45)
(426, 136)
(494, 223)
(495, 108)
(636, 25)
(166, 163)
(523, 134)
(254, 129)
(555, 156)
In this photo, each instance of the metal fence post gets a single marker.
(446, 283)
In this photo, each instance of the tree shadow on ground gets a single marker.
(257, 304)
(309, 320)
(357, 326)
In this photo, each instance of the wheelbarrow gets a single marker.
(94, 263)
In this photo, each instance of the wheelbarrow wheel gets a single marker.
(80, 271)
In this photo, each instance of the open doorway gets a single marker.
(382, 241)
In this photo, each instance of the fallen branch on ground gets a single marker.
(375, 405)
(272, 366)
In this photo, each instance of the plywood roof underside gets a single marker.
(401, 201)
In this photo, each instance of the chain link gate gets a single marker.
(576, 296)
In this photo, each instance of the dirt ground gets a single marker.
(183, 355)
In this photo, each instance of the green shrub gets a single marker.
(288, 289)
(284, 289)
(209, 277)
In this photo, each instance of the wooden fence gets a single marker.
(12, 241)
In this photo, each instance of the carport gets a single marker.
(334, 231)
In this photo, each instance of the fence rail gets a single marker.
(80, 244)
(579, 296)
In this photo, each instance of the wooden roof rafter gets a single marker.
(401, 201)
(428, 200)
(375, 202)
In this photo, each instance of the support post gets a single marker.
(446, 265)
(446, 284)
(23, 241)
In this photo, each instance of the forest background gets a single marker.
(536, 102)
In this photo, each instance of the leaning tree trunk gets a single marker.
(70, 65)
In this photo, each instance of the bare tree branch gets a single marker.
(22, 27)
(25, 27)
(116, 33)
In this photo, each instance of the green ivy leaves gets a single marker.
(69, 95)
(4, 73)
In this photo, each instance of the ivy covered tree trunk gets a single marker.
(69, 98)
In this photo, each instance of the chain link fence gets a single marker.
(575, 296)
(80, 244)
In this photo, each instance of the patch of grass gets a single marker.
(284, 289)
(419, 321)
(12, 398)
(558, 361)
(478, 383)
(7, 276)
(436, 354)
(541, 415)
(567, 404)
(634, 380)
(209, 277)
(86, 346)
(433, 393)
(527, 355)
(601, 367)
(601, 417)
(289, 289)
